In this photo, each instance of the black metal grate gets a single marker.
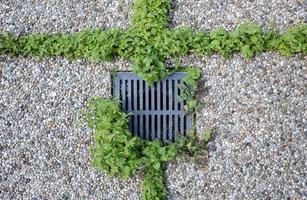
(156, 110)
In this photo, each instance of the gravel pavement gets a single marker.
(208, 14)
(63, 15)
(256, 108)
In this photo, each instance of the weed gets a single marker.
(115, 150)
(118, 153)
(188, 89)
(148, 42)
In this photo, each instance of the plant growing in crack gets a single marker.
(118, 153)
(149, 42)
(188, 89)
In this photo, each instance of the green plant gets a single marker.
(141, 42)
(89, 44)
(188, 89)
(8, 43)
(118, 153)
(193, 147)
(115, 150)
(248, 39)
(156, 154)
(293, 41)
(148, 42)
(153, 184)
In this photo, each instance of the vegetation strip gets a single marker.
(149, 42)
(148, 47)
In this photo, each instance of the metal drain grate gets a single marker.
(156, 110)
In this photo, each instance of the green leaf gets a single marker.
(246, 51)
(163, 158)
(126, 171)
(156, 166)
(252, 30)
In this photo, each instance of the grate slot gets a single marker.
(139, 125)
(158, 129)
(136, 99)
(152, 126)
(178, 91)
(121, 99)
(170, 129)
(158, 96)
(126, 94)
(156, 110)
(132, 102)
(164, 103)
(146, 127)
(167, 129)
(141, 97)
(185, 124)
(180, 102)
(167, 95)
(175, 127)
(162, 95)
(161, 128)
(170, 96)
(175, 107)
(150, 131)
(154, 96)
(146, 97)
(173, 95)
(164, 129)
(156, 126)
(129, 95)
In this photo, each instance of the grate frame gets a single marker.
(156, 112)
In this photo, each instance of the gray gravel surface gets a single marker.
(63, 15)
(208, 14)
(256, 108)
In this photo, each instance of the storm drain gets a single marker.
(156, 111)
